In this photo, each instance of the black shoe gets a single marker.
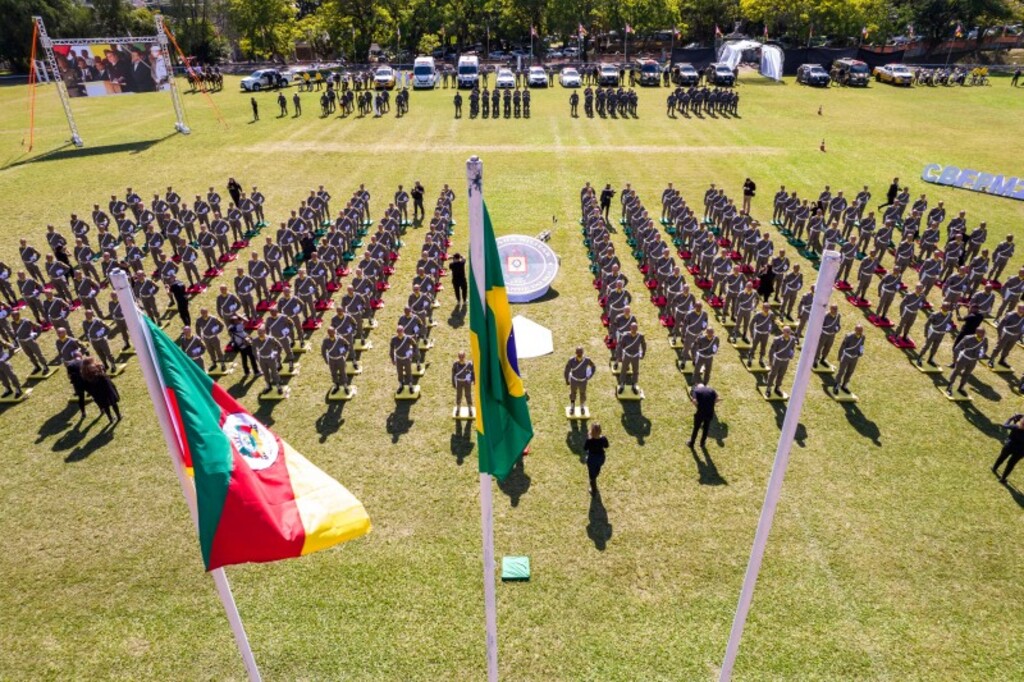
(621, 389)
(1004, 363)
(835, 390)
(932, 363)
(768, 393)
(18, 394)
(265, 391)
(7, 394)
(1002, 479)
(845, 389)
(961, 391)
(761, 362)
(223, 367)
(689, 444)
(635, 391)
(335, 389)
(778, 392)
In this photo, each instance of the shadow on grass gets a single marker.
(462, 440)
(516, 483)
(57, 423)
(398, 423)
(331, 420)
(457, 318)
(780, 416)
(241, 388)
(575, 438)
(598, 528)
(67, 151)
(707, 472)
(634, 422)
(265, 412)
(550, 295)
(861, 424)
(104, 437)
(1015, 493)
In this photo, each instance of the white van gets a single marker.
(424, 73)
(469, 71)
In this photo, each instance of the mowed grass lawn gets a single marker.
(895, 554)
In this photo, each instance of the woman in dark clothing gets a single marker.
(242, 344)
(594, 446)
(766, 283)
(99, 386)
(74, 369)
(457, 268)
(235, 190)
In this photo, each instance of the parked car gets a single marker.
(720, 74)
(384, 78)
(555, 54)
(537, 77)
(852, 72)
(608, 75)
(264, 79)
(813, 74)
(505, 79)
(650, 72)
(496, 54)
(569, 78)
(895, 74)
(685, 75)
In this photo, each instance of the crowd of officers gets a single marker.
(512, 102)
(698, 101)
(606, 102)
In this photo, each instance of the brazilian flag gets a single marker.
(503, 426)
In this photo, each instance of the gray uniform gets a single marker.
(909, 307)
(1010, 329)
(762, 329)
(780, 354)
(282, 329)
(193, 347)
(462, 382)
(26, 332)
(829, 328)
(98, 335)
(966, 355)
(577, 374)
(403, 350)
(850, 351)
(335, 354)
(209, 329)
(7, 375)
(704, 351)
(631, 348)
(939, 324)
(268, 354)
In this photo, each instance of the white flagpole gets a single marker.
(474, 181)
(822, 291)
(139, 335)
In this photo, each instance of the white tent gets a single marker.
(731, 53)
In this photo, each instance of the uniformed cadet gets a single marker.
(402, 202)
(245, 285)
(574, 103)
(746, 303)
(791, 284)
(966, 355)
(780, 354)
(761, 325)
(6, 288)
(208, 328)
(268, 351)
(334, 350)
(145, 291)
(694, 324)
(402, 351)
(829, 329)
(631, 348)
(887, 288)
(1000, 257)
(31, 291)
(849, 253)
(26, 334)
(939, 324)
(865, 273)
(56, 311)
(116, 316)
(31, 257)
(909, 307)
(462, 380)
(67, 346)
(578, 371)
(804, 311)
(6, 330)
(58, 273)
(188, 256)
(458, 102)
(88, 289)
(704, 351)
(7, 375)
(1011, 292)
(98, 334)
(282, 329)
(1010, 329)
(850, 352)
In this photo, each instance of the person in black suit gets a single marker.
(142, 73)
(595, 447)
(118, 70)
(890, 196)
(234, 188)
(180, 295)
(704, 398)
(457, 269)
(1013, 446)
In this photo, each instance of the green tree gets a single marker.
(63, 18)
(267, 28)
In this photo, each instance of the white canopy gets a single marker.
(731, 53)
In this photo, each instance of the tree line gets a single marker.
(215, 30)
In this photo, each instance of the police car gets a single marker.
(384, 78)
(685, 75)
(650, 72)
(896, 74)
(537, 78)
(608, 75)
(813, 74)
(720, 74)
(569, 78)
(505, 79)
(264, 79)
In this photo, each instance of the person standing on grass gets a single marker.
(457, 268)
(101, 389)
(594, 447)
(255, 109)
(1013, 447)
(704, 398)
(749, 190)
(890, 196)
(1016, 78)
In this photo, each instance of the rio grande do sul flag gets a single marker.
(257, 498)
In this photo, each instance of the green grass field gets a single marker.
(895, 553)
